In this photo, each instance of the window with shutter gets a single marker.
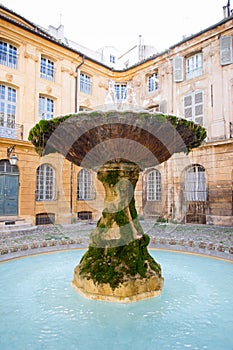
(226, 50)
(163, 106)
(194, 107)
(178, 70)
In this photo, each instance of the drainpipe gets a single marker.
(76, 84)
(76, 111)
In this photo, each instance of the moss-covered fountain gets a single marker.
(117, 145)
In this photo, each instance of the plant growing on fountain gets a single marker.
(117, 145)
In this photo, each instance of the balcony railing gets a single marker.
(14, 133)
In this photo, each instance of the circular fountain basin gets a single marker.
(40, 309)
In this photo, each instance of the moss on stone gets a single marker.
(40, 133)
(113, 265)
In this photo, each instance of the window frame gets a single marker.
(195, 185)
(46, 109)
(153, 186)
(192, 110)
(112, 58)
(45, 183)
(9, 56)
(85, 83)
(85, 185)
(120, 92)
(47, 69)
(8, 108)
(194, 65)
(153, 83)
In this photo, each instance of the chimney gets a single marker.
(227, 10)
(140, 49)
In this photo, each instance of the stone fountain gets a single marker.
(117, 145)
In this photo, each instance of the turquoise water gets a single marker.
(40, 310)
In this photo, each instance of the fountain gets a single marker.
(117, 145)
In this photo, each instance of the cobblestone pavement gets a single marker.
(202, 239)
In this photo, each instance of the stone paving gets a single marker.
(202, 239)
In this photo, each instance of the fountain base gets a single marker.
(121, 273)
(131, 290)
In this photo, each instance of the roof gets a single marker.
(38, 30)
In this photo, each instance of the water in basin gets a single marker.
(40, 310)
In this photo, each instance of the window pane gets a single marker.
(195, 184)
(7, 112)
(45, 183)
(120, 92)
(194, 66)
(154, 186)
(85, 84)
(8, 55)
(46, 108)
(85, 186)
(153, 82)
(46, 69)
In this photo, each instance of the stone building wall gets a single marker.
(215, 156)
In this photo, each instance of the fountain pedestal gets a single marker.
(117, 265)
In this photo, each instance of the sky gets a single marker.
(98, 23)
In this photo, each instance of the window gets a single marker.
(7, 111)
(46, 69)
(46, 108)
(85, 84)
(84, 215)
(45, 218)
(154, 186)
(194, 107)
(8, 55)
(85, 186)
(195, 184)
(45, 183)
(112, 59)
(153, 82)
(178, 69)
(194, 66)
(120, 92)
(226, 56)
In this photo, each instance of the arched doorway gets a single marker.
(9, 188)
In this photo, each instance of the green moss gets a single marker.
(113, 264)
(41, 132)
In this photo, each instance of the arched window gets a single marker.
(45, 183)
(195, 184)
(85, 185)
(154, 186)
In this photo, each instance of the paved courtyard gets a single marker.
(202, 239)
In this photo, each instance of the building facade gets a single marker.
(42, 77)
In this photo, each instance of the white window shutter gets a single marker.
(178, 68)
(226, 50)
(163, 106)
(188, 107)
